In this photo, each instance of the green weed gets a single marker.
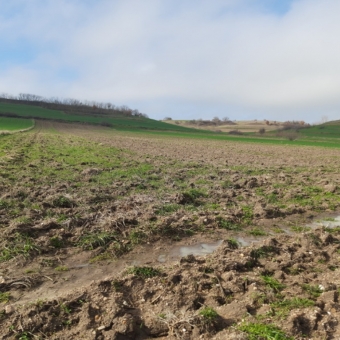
(4, 297)
(262, 331)
(232, 243)
(144, 272)
(285, 306)
(20, 245)
(257, 232)
(92, 241)
(313, 291)
(272, 283)
(56, 242)
(225, 224)
(208, 313)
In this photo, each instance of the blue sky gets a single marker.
(245, 59)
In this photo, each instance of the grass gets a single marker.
(208, 314)
(314, 291)
(13, 124)
(93, 241)
(324, 136)
(262, 331)
(20, 245)
(118, 120)
(272, 283)
(4, 297)
(282, 308)
(144, 272)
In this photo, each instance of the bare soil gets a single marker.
(66, 285)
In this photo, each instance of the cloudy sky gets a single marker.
(187, 59)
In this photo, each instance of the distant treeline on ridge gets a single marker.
(71, 105)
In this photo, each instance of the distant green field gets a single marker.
(248, 138)
(328, 130)
(325, 135)
(12, 124)
(118, 122)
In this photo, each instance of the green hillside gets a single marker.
(327, 130)
(13, 124)
(84, 115)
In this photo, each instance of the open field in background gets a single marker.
(13, 124)
(81, 203)
(326, 135)
(117, 120)
(242, 125)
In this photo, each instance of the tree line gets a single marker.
(71, 105)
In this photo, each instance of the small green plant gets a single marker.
(4, 297)
(20, 245)
(285, 306)
(313, 291)
(144, 272)
(65, 309)
(208, 313)
(263, 251)
(62, 202)
(192, 196)
(162, 315)
(300, 229)
(262, 331)
(61, 269)
(248, 214)
(24, 336)
(167, 208)
(257, 232)
(92, 241)
(272, 283)
(117, 285)
(232, 243)
(56, 242)
(225, 224)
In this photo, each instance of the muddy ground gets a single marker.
(91, 220)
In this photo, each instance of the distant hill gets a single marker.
(110, 116)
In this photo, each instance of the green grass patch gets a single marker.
(314, 291)
(144, 272)
(95, 240)
(13, 124)
(257, 331)
(4, 297)
(272, 283)
(208, 314)
(282, 308)
(20, 245)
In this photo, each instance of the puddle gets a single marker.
(199, 249)
(331, 222)
(248, 240)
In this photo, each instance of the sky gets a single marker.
(184, 59)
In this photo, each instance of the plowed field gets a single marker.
(91, 219)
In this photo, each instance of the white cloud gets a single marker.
(166, 55)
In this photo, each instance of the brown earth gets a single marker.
(86, 299)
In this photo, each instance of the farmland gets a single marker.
(87, 212)
(13, 124)
(84, 115)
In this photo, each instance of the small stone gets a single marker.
(2, 279)
(9, 309)
(101, 328)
